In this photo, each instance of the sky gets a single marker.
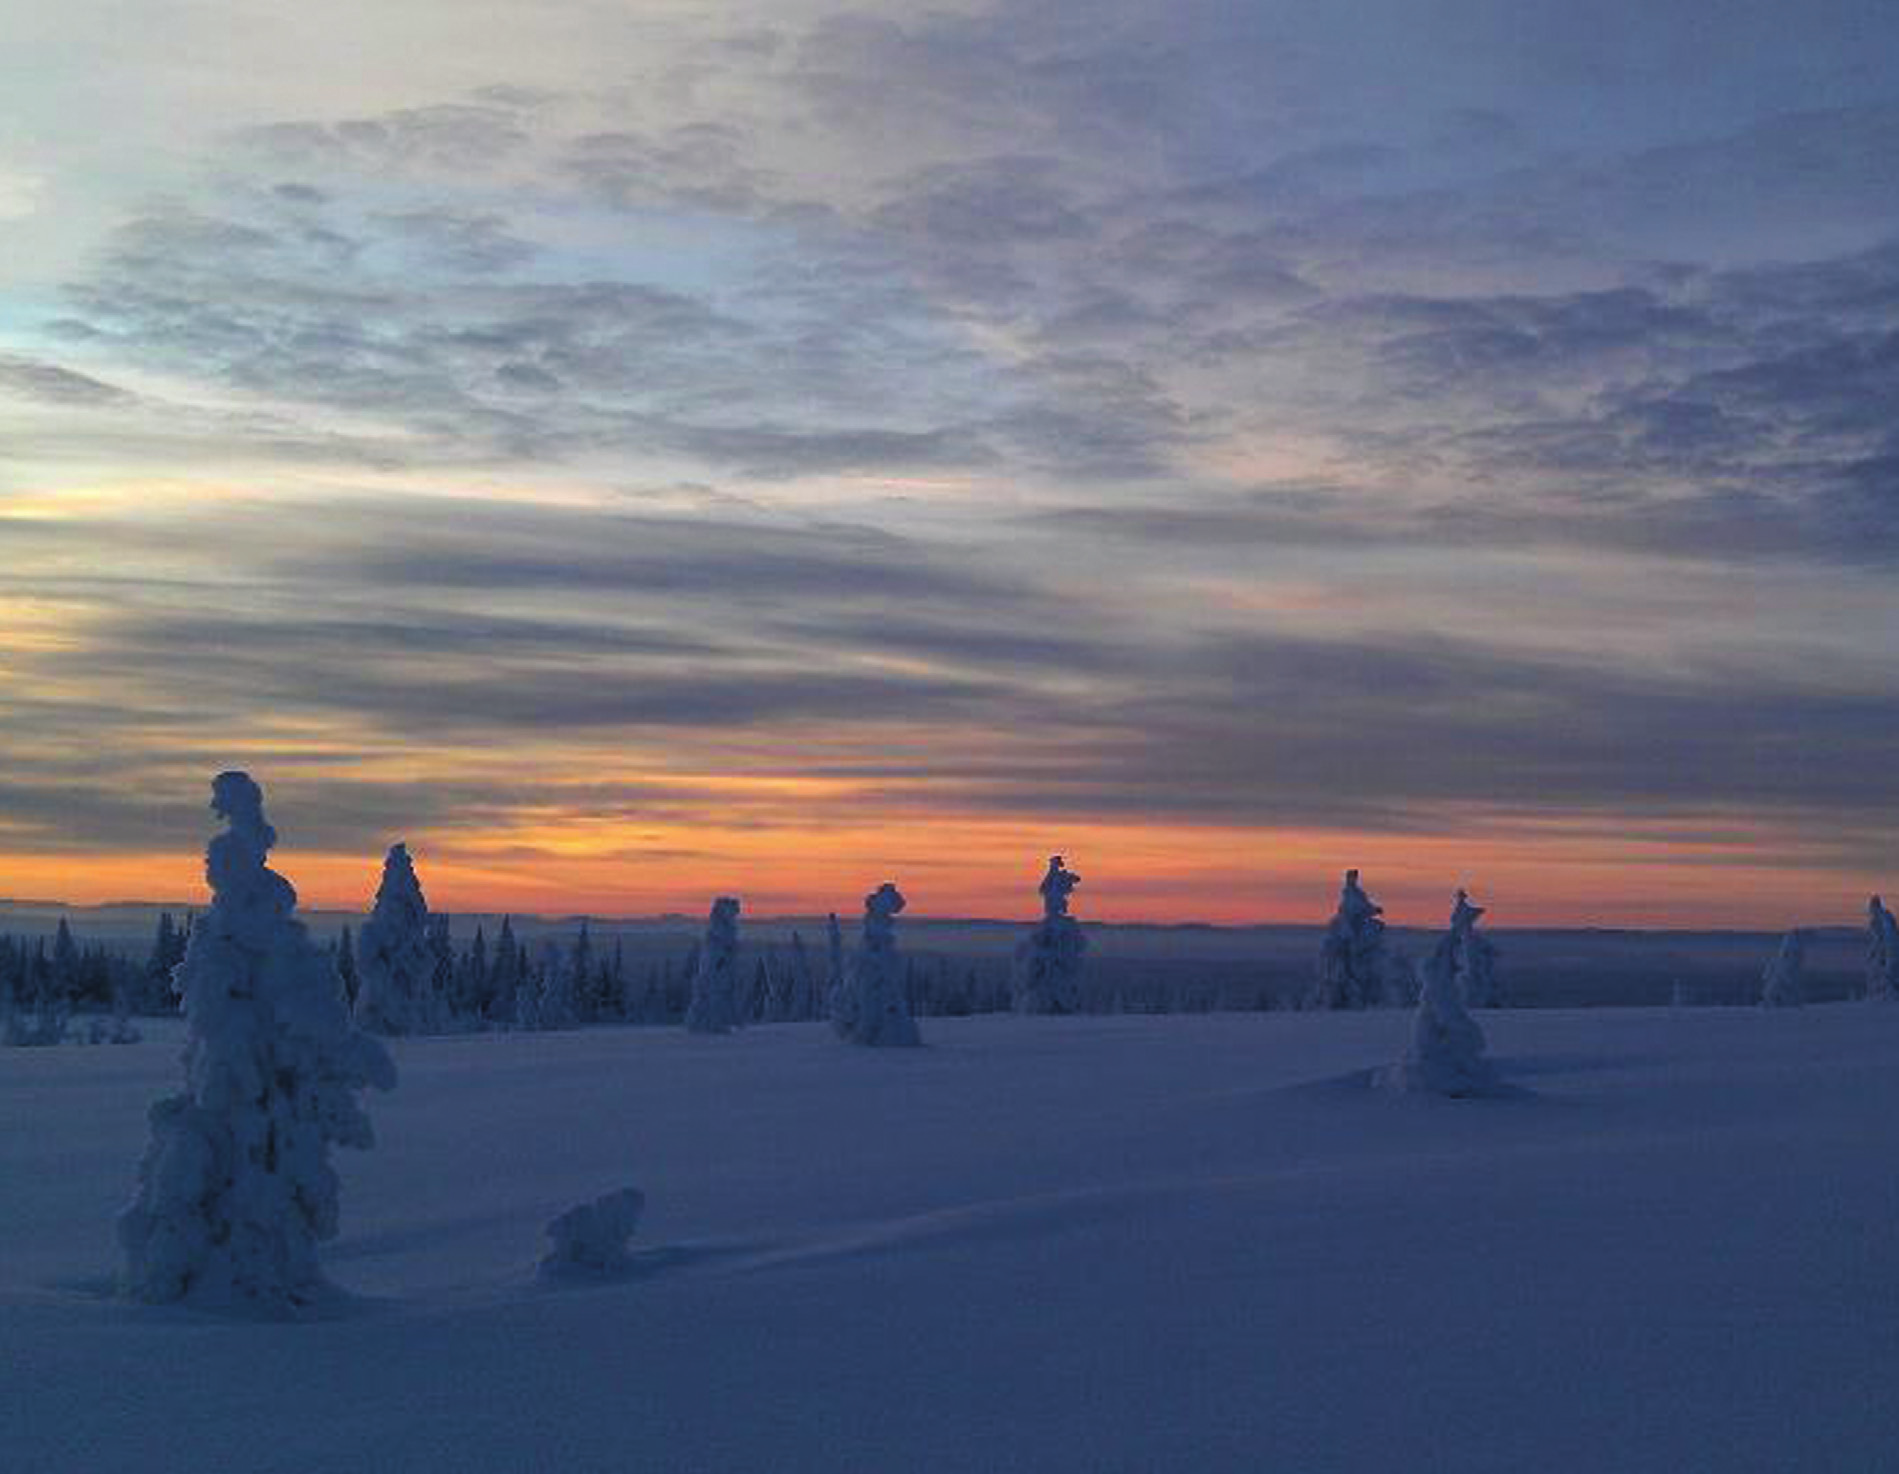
(635, 452)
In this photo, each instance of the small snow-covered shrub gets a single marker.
(590, 1240)
(236, 1190)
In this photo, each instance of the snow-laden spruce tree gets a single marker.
(1446, 1055)
(834, 966)
(869, 1006)
(554, 1002)
(156, 994)
(236, 1190)
(714, 1008)
(395, 966)
(1882, 953)
(1048, 960)
(1784, 983)
(1356, 969)
(1476, 960)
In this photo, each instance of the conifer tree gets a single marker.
(872, 1006)
(1783, 984)
(395, 964)
(346, 974)
(1446, 1055)
(584, 979)
(1355, 967)
(236, 1190)
(505, 977)
(714, 1008)
(1048, 960)
(1476, 960)
(1882, 953)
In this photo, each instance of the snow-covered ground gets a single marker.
(1039, 1243)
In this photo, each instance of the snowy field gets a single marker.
(1079, 1244)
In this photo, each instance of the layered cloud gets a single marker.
(1181, 420)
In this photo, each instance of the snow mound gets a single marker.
(590, 1240)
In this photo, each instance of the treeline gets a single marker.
(43, 986)
(499, 980)
(507, 982)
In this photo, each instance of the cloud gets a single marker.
(52, 384)
(1193, 414)
(20, 193)
(460, 242)
(979, 688)
(698, 165)
(444, 136)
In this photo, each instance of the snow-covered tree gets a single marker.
(236, 1190)
(714, 1008)
(804, 990)
(439, 999)
(1446, 1055)
(156, 993)
(617, 992)
(67, 964)
(1882, 953)
(52, 1005)
(346, 968)
(1048, 960)
(120, 1030)
(834, 968)
(1476, 960)
(869, 1006)
(548, 1002)
(1356, 966)
(504, 983)
(395, 966)
(580, 972)
(590, 1240)
(1784, 983)
(471, 976)
(47, 1023)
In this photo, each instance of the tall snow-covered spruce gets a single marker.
(1882, 953)
(1784, 983)
(236, 1190)
(868, 1006)
(1356, 967)
(1048, 960)
(1446, 1055)
(395, 965)
(714, 1008)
